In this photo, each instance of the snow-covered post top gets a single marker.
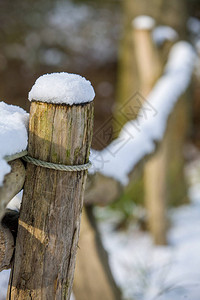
(147, 58)
(163, 34)
(62, 88)
(60, 133)
(143, 23)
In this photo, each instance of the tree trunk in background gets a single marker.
(128, 80)
(93, 279)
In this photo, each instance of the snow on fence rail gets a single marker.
(146, 130)
(13, 134)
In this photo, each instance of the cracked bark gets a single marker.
(52, 202)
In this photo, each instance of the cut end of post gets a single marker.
(143, 23)
(62, 88)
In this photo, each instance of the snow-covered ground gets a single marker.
(146, 272)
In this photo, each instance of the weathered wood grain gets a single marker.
(13, 183)
(6, 248)
(52, 202)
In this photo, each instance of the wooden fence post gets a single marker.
(52, 202)
(149, 67)
(155, 177)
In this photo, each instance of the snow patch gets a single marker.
(4, 279)
(144, 271)
(15, 203)
(62, 88)
(13, 134)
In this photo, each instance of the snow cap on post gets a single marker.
(164, 33)
(62, 88)
(143, 23)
